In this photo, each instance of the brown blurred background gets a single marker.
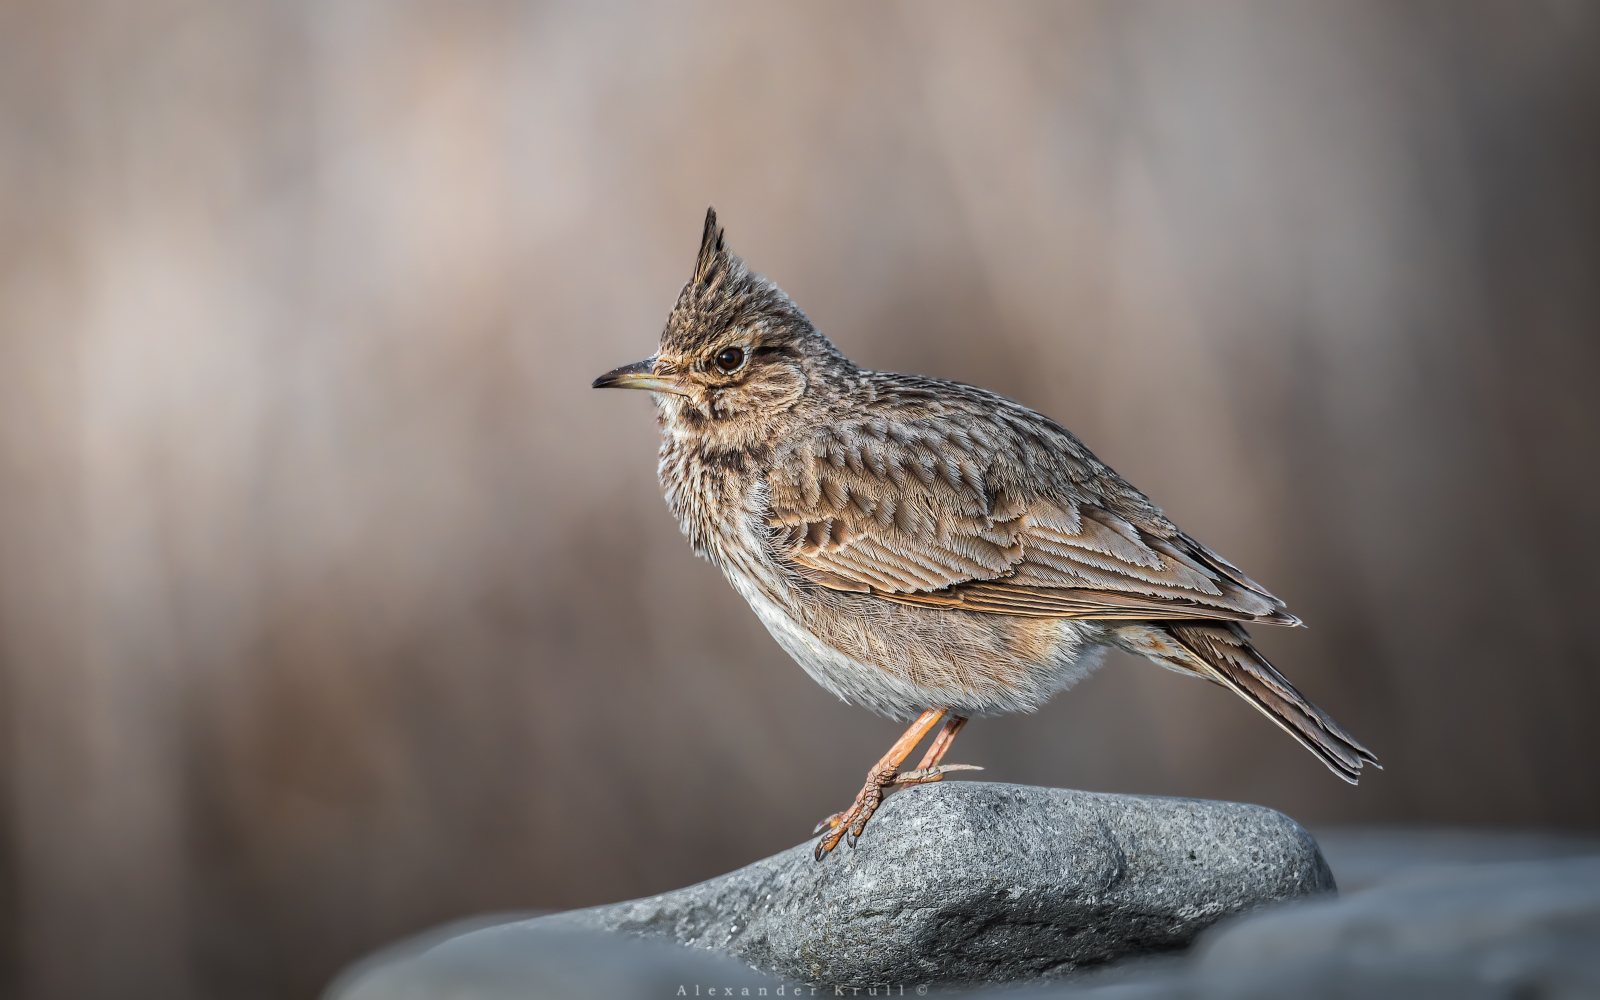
(334, 604)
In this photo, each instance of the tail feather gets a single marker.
(1232, 661)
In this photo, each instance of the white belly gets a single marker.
(860, 684)
(880, 691)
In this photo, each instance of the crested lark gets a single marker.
(923, 548)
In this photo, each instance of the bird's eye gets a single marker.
(730, 358)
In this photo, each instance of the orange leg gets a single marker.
(853, 820)
(929, 769)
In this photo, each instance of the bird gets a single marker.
(926, 549)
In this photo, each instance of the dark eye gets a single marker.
(730, 358)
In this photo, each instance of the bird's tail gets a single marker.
(1228, 658)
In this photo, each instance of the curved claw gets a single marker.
(828, 842)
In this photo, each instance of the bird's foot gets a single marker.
(849, 824)
(923, 775)
(852, 821)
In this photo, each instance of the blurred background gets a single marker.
(334, 604)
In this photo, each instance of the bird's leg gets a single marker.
(882, 773)
(930, 769)
(854, 819)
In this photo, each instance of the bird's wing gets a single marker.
(990, 513)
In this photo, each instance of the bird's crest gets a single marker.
(713, 250)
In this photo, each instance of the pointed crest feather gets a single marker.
(711, 247)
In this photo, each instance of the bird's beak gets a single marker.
(639, 375)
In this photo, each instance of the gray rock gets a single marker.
(1365, 856)
(969, 883)
(1441, 922)
(532, 960)
(1501, 931)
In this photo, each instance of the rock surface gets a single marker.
(1365, 856)
(970, 883)
(531, 961)
(1523, 929)
(1448, 913)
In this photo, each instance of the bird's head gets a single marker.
(736, 353)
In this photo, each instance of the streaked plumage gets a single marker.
(915, 543)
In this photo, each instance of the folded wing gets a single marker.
(934, 512)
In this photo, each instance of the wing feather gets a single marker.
(1000, 512)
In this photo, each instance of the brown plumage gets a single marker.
(925, 548)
